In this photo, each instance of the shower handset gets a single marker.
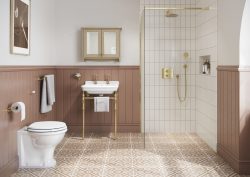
(177, 84)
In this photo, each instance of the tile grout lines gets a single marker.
(80, 157)
(105, 159)
(131, 149)
(183, 158)
(159, 161)
(204, 152)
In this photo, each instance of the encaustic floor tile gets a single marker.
(158, 155)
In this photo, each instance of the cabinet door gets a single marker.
(92, 43)
(111, 44)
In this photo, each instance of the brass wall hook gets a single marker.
(77, 76)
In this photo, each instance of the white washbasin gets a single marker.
(100, 87)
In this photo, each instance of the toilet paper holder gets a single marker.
(7, 110)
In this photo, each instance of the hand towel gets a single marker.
(50, 89)
(48, 93)
(101, 104)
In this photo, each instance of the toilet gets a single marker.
(37, 142)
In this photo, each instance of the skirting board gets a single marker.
(242, 168)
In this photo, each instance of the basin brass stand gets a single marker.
(88, 97)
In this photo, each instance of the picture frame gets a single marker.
(20, 27)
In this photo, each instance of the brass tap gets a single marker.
(95, 79)
(107, 78)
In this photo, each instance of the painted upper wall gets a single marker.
(245, 36)
(229, 27)
(56, 25)
(42, 35)
(71, 16)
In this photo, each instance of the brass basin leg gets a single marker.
(83, 113)
(116, 110)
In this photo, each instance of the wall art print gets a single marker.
(20, 27)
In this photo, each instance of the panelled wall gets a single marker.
(17, 84)
(69, 96)
(234, 116)
(206, 90)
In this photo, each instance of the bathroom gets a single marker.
(180, 108)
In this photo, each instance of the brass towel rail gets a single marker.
(88, 97)
(40, 78)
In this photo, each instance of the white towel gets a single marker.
(50, 89)
(48, 94)
(101, 104)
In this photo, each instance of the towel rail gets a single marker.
(114, 97)
(41, 78)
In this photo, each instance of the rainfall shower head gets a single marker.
(169, 13)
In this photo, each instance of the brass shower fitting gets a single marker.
(177, 78)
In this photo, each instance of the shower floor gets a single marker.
(164, 155)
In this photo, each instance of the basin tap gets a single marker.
(95, 79)
(107, 78)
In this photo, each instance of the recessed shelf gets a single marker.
(205, 65)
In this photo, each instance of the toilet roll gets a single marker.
(19, 107)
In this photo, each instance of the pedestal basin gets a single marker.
(100, 87)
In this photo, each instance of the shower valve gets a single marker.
(167, 73)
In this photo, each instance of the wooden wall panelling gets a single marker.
(59, 86)
(136, 97)
(109, 117)
(72, 97)
(122, 97)
(129, 97)
(17, 85)
(19, 82)
(234, 116)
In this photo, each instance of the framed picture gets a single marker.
(20, 27)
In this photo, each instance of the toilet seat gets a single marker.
(47, 126)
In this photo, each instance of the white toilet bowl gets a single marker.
(37, 143)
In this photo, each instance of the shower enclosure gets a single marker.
(168, 60)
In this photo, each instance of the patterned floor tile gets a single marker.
(54, 173)
(193, 153)
(200, 162)
(168, 146)
(177, 172)
(167, 155)
(97, 146)
(35, 171)
(70, 153)
(143, 152)
(117, 145)
(172, 162)
(118, 172)
(95, 153)
(62, 161)
(22, 173)
(88, 172)
(119, 162)
(148, 172)
(119, 152)
(78, 145)
(91, 162)
(146, 162)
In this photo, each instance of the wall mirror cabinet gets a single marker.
(101, 43)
